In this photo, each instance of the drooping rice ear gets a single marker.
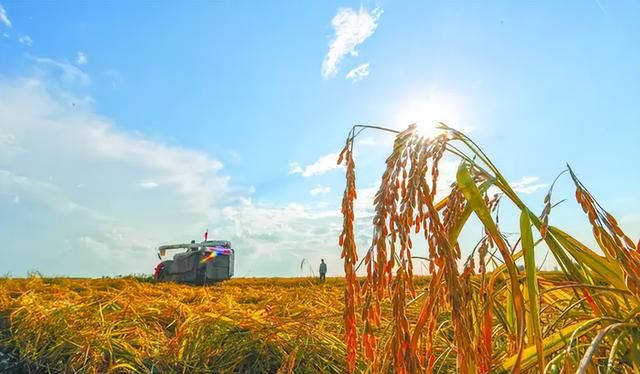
(350, 258)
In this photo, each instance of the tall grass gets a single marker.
(482, 314)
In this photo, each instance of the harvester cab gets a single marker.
(206, 262)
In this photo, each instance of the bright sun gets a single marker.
(427, 113)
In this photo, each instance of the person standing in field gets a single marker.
(323, 270)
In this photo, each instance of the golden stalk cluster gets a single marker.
(496, 316)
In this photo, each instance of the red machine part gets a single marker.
(157, 270)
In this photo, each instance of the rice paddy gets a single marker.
(128, 325)
(476, 313)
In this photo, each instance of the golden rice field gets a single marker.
(127, 325)
(487, 309)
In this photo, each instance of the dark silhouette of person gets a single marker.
(323, 270)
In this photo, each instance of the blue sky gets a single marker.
(124, 126)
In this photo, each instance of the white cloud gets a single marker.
(366, 142)
(324, 164)
(358, 72)
(275, 233)
(82, 186)
(26, 40)
(68, 147)
(295, 168)
(16, 199)
(351, 28)
(68, 72)
(364, 202)
(319, 190)
(8, 146)
(527, 185)
(3, 17)
(81, 58)
(148, 185)
(630, 223)
(42, 193)
(94, 245)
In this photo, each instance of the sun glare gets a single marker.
(428, 113)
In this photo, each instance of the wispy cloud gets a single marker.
(111, 221)
(3, 17)
(324, 164)
(68, 72)
(319, 190)
(115, 77)
(26, 40)
(44, 194)
(81, 58)
(235, 155)
(148, 185)
(358, 72)
(351, 28)
(630, 223)
(366, 142)
(69, 148)
(87, 172)
(274, 233)
(94, 245)
(8, 145)
(527, 185)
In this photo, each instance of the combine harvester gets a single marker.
(207, 262)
